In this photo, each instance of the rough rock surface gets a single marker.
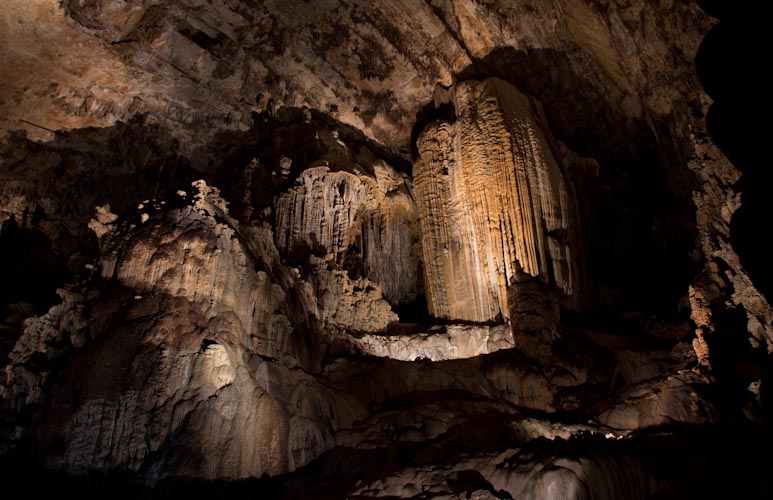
(353, 217)
(354, 305)
(226, 371)
(677, 400)
(178, 381)
(456, 342)
(493, 199)
(199, 65)
(534, 314)
(171, 339)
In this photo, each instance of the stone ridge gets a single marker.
(492, 198)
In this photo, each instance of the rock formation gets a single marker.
(456, 342)
(493, 198)
(448, 249)
(370, 220)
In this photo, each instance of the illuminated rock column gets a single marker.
(491, 197)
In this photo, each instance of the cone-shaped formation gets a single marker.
(492, 196)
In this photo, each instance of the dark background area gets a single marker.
(732, 65)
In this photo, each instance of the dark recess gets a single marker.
(729, 66)
(30, 270)
(427, 115)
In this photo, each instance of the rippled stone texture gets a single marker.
(493, 198)
(358, 220)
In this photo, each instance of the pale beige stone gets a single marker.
(454, 342)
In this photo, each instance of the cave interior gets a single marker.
(462, 249)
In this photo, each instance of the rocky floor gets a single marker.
(471, 461)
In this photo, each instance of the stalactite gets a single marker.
(492, 196)
(344, 215)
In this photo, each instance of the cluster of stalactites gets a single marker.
(492, 198)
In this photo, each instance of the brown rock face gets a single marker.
(493, 198)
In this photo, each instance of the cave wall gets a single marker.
(227, 334)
